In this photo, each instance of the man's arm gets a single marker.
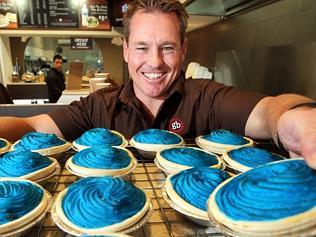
(13, 128)
(296, 128)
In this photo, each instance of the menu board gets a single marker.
(117, 11)
(63, 13)
(73, 14)
(8, 17)
(31, 13)
(95, 15)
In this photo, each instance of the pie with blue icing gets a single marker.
(98, 205)
(190, 189)
(180, 158)
(99, 137)
(155, 140)
(102, 161)
(43, 143)
(26, 165)
(4, 145)
(21, 202)
(275, 199)
(246, 158)
(220, 141)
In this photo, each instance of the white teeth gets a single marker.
(153, 75)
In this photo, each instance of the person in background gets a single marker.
(55, 80)
(159, 96)
(5, 97)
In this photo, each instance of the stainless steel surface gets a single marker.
(270, 49)
(222, 7)
(164, 222)
(271, 70)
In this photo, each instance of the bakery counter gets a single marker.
(23, 90)
(164, 221)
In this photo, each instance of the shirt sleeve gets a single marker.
(230, 108)
(95, 110)
(75, 119)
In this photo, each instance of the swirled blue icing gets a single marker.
(269, 192)
(37, 141)
(253, 156)
(196, 185)
(102, 157)
(22, 162)
(225, 137)
(189, 156)
(99, 136)
(2, 143)
(97, 202)
(156, 136)
(18, 198)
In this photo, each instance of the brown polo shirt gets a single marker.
(194, 107)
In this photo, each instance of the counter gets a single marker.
(31, 90)
(164, 222)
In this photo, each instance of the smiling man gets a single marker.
(158, 96)
(154, 53)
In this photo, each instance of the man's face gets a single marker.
(154, 53)
(58, 63)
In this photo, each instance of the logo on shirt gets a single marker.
(176, 125)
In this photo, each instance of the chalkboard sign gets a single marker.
(60, 14)
(81, 43)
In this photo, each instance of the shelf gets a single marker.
(115, 32)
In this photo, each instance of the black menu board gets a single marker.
(48, 13)
(117, 8)
(74, 14)
(63, 13)
(30, 13)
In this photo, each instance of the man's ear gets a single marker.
(125, 50)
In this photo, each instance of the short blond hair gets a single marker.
(166, 6)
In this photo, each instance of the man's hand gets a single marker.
(297, 132)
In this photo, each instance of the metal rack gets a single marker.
(164, 222)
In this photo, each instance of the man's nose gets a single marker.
(155, 58)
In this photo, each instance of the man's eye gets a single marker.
(141, 49)
(168, 49)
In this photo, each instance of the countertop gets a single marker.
(22, 83)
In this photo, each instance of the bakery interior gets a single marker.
(266, 46)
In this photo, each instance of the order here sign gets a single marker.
(81, 43)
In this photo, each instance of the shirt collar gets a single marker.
(127, 93)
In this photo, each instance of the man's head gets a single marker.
(58, 62)
(154, 45)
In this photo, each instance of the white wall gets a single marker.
(5, 60)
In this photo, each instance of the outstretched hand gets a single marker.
(297, 132)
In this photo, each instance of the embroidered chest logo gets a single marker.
(176, 125)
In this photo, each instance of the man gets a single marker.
(55, 80)
(158, 96)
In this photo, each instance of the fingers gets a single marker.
(308, 149)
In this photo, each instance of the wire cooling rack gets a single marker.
(164, 222)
